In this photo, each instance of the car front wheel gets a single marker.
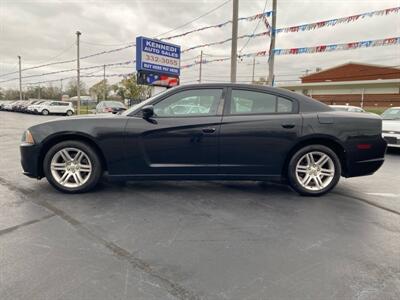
(314, 170)
(45, 112)
(72, 167)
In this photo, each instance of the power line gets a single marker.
(105, 45)
(69, 70)
(71, 60)
(195, 19)
(255, 29)
(249, 36)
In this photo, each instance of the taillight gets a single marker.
(364, 146)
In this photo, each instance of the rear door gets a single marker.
(55, 107)
(257, 131)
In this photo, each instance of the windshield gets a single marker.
(113, 104)
(340, 108)
(391, 114)
(141, 104)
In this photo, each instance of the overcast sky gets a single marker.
(44, 31)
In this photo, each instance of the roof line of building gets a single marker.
(348, 63)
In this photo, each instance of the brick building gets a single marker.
(354, 84)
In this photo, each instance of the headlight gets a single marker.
(27, 138)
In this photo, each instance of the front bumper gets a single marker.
(30, 161)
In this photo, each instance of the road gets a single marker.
(195, 240)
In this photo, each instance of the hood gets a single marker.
(391, 125)
(66, 120)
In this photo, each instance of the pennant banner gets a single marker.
(339, 47)
(298, 28)
(251, 18)
(334, 22)
(315, 49)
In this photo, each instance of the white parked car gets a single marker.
(391, 126)
(55, 107)
(31, 108)
(3, 104)
(348, 108)
(9, 105)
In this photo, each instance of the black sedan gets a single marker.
(209, 132)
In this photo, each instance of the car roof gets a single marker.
(334, 105)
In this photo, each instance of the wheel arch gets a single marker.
(328, 141)
(68, 136)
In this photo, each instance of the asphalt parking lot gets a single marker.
(195, 240)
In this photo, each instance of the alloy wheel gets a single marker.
(315, 170)
(71, 167)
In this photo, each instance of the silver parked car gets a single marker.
(110, 107)
(348, 108)
(391, 126)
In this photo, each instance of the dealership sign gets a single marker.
(157, 56)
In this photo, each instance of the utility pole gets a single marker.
(78, 80)
(104, 82)
(271, 58)
(20, 78)
(39, 93)
(61, 88)
(201, 65)
(235, 14)
(254, 67)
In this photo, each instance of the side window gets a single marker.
(250, 102)
(284, 105)
(201, 102)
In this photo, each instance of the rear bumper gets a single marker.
(29, 161)
(364, 167)
(361, 162)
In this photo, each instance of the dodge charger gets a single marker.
(209, 132)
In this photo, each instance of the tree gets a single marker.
(44, 92)
(99, 88)
(72, 88)
(127, 88)
(11, 94)
(260, 81)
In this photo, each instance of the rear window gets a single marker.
(114, 104)
(251, 102)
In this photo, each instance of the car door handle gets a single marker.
(208, 130)
(288, 125)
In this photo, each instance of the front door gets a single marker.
(257, 131)
(182, 136)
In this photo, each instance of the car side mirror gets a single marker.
(147, 111)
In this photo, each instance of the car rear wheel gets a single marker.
(314, 170)
(45, 112)
(72, 167)
(69, 113)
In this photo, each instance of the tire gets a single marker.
(65, 177)
(310, 178)
(45, 112)
(69, 113)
